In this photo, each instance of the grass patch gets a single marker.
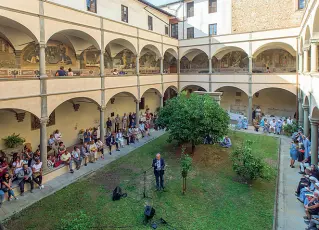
(213, 199)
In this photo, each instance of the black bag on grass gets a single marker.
(117, 194)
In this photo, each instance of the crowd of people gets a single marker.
(26, 167)
(261, 123)
(307, 191)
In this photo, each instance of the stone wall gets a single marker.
(256, 15)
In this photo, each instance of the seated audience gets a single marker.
(37, 173)
(25, 176)
(256, 125)
(305, 163)
(50, 162)
(76, 155)
(4, 167)
(142, 129)
(110, 141)
(85, 153)
(120, 138)
(313, 207)
(93, 152)
(61, 150)
(272, 126)
(6, 186)
(67, 160)
(16, 166)
(57, 136)
(100, 147)
(87, 136)
(226, 143)
(208, 140)
(131, 134)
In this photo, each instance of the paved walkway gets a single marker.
(290, 211)
(10, 208)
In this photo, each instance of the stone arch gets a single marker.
(194, 61)
(31, 105)
(128, 91)
(315, 113)
(128, 42)
(172, 52)
(19, 30)
(306, 101)
(241, 87)
(157, 90)
(172, 87)
(287, 87)
(315, 26)
(124, 43)
(267, 99)
(307, 37)
(219, 53)
(194, 88)
(80, 39)
(193, 49)
(56, 100)
(274, 45)
(152, 48)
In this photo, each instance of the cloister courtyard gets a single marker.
(214, 198)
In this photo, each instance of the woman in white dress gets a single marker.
(17, 165)
(93, 152)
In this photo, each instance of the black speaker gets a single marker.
(149, 212)
(117, 193)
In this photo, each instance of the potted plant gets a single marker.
(186, 166)
(13, 140)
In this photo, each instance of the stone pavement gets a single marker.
(290, 211)
(54, 185)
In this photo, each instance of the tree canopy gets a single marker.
(189, 118)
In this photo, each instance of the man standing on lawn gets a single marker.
(159, 167)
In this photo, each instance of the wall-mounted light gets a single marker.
(112, 100)
(257, 94)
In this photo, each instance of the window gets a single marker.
(166, 30)
(190, 32)
(190, 9)
(91, 5)
(124, 11)
(212, 6)
(174, 30)
(150, 23)
(302, 4)
(212, 29)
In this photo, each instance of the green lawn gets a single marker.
(213, 199)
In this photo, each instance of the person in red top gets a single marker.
(3, 166)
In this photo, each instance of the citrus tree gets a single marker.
(189, 118)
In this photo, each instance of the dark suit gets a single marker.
(159, 173)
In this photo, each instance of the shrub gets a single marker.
(13, 140)
(246, 165)
(290, 129)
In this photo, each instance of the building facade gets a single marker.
(273, 67)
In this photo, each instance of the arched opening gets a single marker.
(68, 48)
(235, 101)
(14, 37)
(193, 88)
(274, 58)
(194, 61)
(169, 93)
(120, 56)
(170, 61)
(72, 117)
(275, 102)
(23, 123)
(149, 60)
(118, 105)
(151, 99)
(230, 59)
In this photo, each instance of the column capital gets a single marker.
(300, 99)
(314, 121)
(102, 108)
(306, 49)
(305, 107)
(44, 120)
(250, 97)
(137, 101)
(102, 51)
(314, 41)
(42, 45)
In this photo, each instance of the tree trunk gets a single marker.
(193, 147)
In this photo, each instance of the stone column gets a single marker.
(102, 130)
(301, 113)
(305, 61)
(210, 66)
(300, 62)
(314, 57)
(137, 63)
(42, 61)
(178, 66)
(43, 141)
(249, 110)
(250, 65)
(314, 141)
(161, 65)
(306, 119)
(137, 118)
(102, 67)
(162, 101)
